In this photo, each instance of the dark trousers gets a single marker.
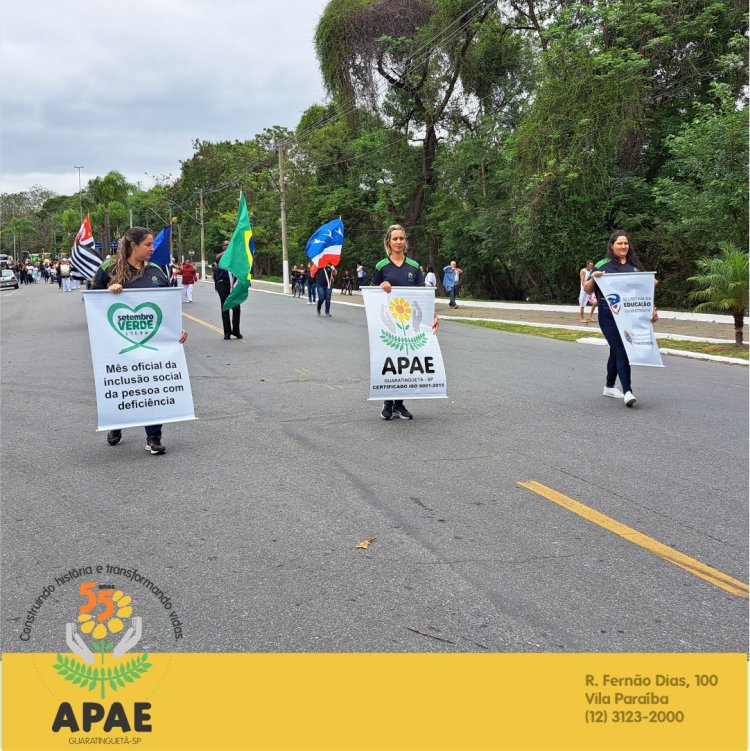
(234, 328)
(324, 295)
(618, 364)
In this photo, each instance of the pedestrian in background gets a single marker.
(346, 283)
(361, 274)
(312, 287)
(223, 283)
(189, 275)
(584, 298)
(451, 274)
(430, 280)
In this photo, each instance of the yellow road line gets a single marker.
(204, 323)
(685, 562)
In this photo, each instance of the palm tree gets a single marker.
(112, 187)
(723, 283)
(19, 227)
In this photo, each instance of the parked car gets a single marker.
(8, 279)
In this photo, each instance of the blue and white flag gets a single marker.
(324, 246)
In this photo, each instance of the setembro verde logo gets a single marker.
(135, 325)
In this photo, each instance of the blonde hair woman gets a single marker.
(397, 270)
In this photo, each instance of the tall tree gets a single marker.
(402, 59)
(112, 187)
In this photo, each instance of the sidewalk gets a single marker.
(671, 324)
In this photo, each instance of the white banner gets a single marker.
(405, 357)
(631, 300)
(140, 371)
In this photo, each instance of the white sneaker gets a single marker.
(614, 392)
(629, 399)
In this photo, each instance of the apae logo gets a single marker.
(397, 322)
(101, 662)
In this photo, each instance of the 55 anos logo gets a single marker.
(101, 662)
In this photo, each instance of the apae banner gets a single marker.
(140, 370)
(631, 299)
(405, 357)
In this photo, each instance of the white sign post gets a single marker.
(630, 297)
(405, 357)
(140, 370)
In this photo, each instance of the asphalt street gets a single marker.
(251, 519)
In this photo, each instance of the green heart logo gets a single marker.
(134, 326)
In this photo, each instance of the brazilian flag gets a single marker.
(238, 258)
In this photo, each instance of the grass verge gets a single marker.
(566, 335)
(740, 351)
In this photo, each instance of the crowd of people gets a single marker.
(46, 272)
(131, 268)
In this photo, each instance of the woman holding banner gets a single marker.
(130, 269)
(396, 270)
(620, 258)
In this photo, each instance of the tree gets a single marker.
(20, 227)
(723, 283)
(112, 187)
(403, 44)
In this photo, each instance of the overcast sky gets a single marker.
(129, 85)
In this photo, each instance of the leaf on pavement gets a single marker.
(365, 543)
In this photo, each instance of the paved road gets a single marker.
(250, 521)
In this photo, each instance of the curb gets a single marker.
(582, 340)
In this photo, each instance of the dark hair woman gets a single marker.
(621, 257)
(131, 269)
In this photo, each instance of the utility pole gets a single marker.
(80, 199)
(203, 237)
(284, 252)
(169, 215)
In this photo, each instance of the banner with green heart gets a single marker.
(135, 325)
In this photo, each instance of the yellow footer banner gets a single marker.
(429, 702)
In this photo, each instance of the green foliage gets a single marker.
(723, 284)
(511, 138)
(703, 191)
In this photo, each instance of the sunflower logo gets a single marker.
(109, 621)
(400, 309)
(401, 316)
(105, 613)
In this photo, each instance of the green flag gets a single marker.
(238, 257)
